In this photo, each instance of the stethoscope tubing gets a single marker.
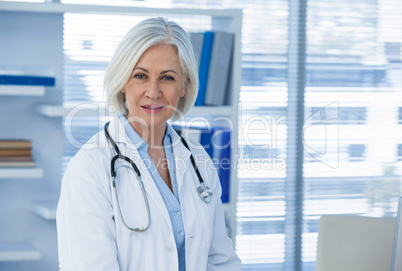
(141, 228)
(113, 174)
(203, 191)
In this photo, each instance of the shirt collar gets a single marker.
(137, 140)
(132, 134)
(167, 141)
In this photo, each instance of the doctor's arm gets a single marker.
(85, 226)
(221, 254)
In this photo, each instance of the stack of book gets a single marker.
(213, 51)
(16, 153)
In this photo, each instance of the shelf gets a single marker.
(85, 109)
(21, 173)
(10, 251)
(129, 10)
(16, 90)
(46, 209)
(94, 110)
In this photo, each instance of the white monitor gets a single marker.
(396, 263)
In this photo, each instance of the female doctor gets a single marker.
(138, 196)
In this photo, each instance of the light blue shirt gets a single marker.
(171, 199)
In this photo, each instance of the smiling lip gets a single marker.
(152, 108)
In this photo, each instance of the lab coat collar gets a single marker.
(118, 132)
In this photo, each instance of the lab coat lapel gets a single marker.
(181, 157)
(185, 184)
(127, 148)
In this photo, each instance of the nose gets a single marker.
(153, 91)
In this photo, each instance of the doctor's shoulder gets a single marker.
(92, 161)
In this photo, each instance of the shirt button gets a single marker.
(181, 233)
(179, 212)
(170, 247)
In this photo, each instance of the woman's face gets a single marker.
(155, 87)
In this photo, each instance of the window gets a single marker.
(356, 152)
(259, 152)
(344, 66)
(399, 158)
(352, 115)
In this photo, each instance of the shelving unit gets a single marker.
(221, 20)
(16, 90)
(33, 46)
(16, 251)
(21, 173)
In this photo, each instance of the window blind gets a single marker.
(353, 56)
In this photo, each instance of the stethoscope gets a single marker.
(203, 191)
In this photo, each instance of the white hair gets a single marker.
(148, 33)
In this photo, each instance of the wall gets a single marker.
(31, 40)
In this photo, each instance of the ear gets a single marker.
(123, 90)
(185, 87)
(183, 92)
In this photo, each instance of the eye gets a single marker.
(140, 76)
(168, 78)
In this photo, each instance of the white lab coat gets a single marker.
(91, 235)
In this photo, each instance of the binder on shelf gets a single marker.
(27, 80)
(197, 41)
(204, 66)
(216, 141)
(213, 51)
(224, 156)
(219, 69)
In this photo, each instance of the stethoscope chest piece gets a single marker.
(205, 193)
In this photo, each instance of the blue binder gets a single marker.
(204, 66)
(27, 80)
